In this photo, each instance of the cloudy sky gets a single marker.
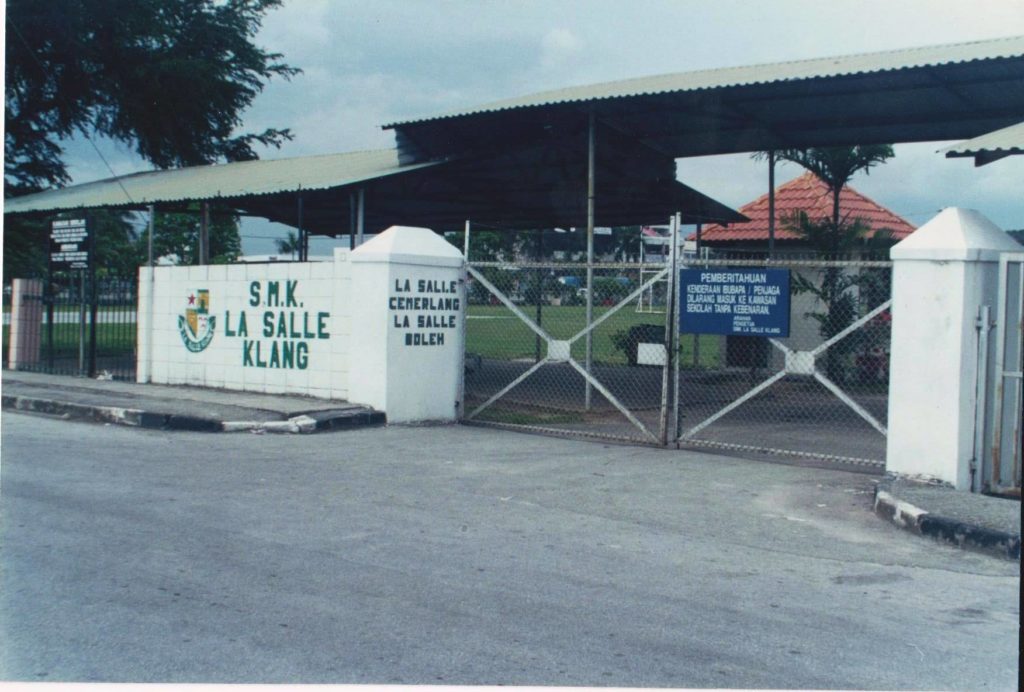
(371, 62)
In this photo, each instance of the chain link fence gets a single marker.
(821, 392)
(527, 350)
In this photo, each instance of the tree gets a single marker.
(831, 237)
(836, 166)
(177, 236)
(289, 245)
(168, 77)
(117, 248)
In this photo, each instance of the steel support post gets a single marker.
(361, 216)
(81, 322)
(204, 234)
(150, 301)
(670, 306)
(674, 429)
(696, 337)
(149, 240)
(465, 243)
(49, 295)
(352, 221)
(303, 240)
(771, 203)
(94, 307)
(591, 165)
(539, 291)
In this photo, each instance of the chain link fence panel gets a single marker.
(526, 349)
(821, 393)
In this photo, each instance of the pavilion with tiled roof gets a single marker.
(809, 194)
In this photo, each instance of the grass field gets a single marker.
(111, 339)
(492, 331)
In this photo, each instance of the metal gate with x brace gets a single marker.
(527, 399)
(559, 351)
(802, 364)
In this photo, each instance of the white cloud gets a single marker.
(369, 63)
(297, 29)
(559, 46)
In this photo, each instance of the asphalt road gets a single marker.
(460, 555)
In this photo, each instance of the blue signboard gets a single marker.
(741, 301)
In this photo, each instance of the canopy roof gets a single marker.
(809, 194)
(522, 163)
(991, 146)
(515, 190)
(219, 181)
(920, 94)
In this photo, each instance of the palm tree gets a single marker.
(289, 244)
(835, 166)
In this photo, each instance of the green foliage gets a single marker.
(25, 248)
(835, 236)
(168, 77)
(289, 245)
(492, 246)
(121, 242)
(833, 287)
(117, 249)
(178, 235)
(609, 290)
(533, 245)
(836, 166)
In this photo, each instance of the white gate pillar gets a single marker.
(26, 323)
(942, 274)
(408, 325)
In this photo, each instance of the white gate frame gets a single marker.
(559, 351)
(1004, 373)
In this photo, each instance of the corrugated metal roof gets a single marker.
(491, 191)
(809, 194)
(1009, 140)
(229, 180)
(865, 63)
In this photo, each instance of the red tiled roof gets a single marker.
(809, 194)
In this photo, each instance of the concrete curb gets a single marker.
(963, 535)
(344, 419)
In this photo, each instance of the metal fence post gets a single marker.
(669, 341)
(48, 298)
(591, 166)
(980, 400)
(93, 298)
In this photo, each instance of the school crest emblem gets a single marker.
(197, 324)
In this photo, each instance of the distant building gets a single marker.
(805, 193)
(809, 194)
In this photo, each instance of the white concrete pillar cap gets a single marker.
(955, 234)
(409, 245)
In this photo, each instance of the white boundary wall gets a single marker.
(381, 326)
